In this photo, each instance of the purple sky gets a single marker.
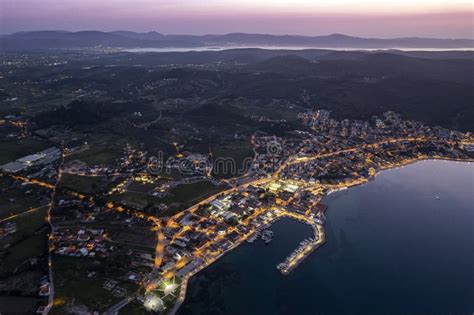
(377, 18)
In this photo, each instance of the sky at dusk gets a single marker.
(377, 18)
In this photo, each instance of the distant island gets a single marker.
(39, 40)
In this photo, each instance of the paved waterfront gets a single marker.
(392, 246)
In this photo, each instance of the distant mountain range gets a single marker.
(40, 40)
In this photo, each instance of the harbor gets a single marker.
(307, 246)
(370, 215)
(266, 235)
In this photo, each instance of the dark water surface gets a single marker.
(392, 247)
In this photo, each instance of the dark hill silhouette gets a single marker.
(62, 39)
(290, 64)
(369, 65)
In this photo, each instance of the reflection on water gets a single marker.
(401, 244)
(220, 48)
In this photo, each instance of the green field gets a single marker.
(15, 149)
(139, 200)
(192, 193)
(239, 151)
(139, 187)
(20, 204)
(102, 148)
(28, 248)
(29, 223)
(171, 173)
(83, 184)
(20, 305)
(29, 240)
(185, 195)
(72, 282)
(23, 260)
(181, 196)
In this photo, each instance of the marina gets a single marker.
(305, 248)
(359, 231)
(267, 236)
(253, 237)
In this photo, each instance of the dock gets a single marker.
(304, 250)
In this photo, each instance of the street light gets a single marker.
(153, 303)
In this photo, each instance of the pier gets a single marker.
(304, 250)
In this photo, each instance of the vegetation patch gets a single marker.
(14, 149)
(23, 251)
(83, 184)
(84, 281)
(192, 193)
(240, 151)
(13, 202)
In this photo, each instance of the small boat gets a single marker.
(267, 236)
(253, 237)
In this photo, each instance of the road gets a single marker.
(50, 260)
(275, 176)
(161, 240)
(25, 212)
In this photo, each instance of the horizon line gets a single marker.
(232, 33)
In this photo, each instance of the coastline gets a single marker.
(344, 186)
(365, 180)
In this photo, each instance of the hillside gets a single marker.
(40, 40)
